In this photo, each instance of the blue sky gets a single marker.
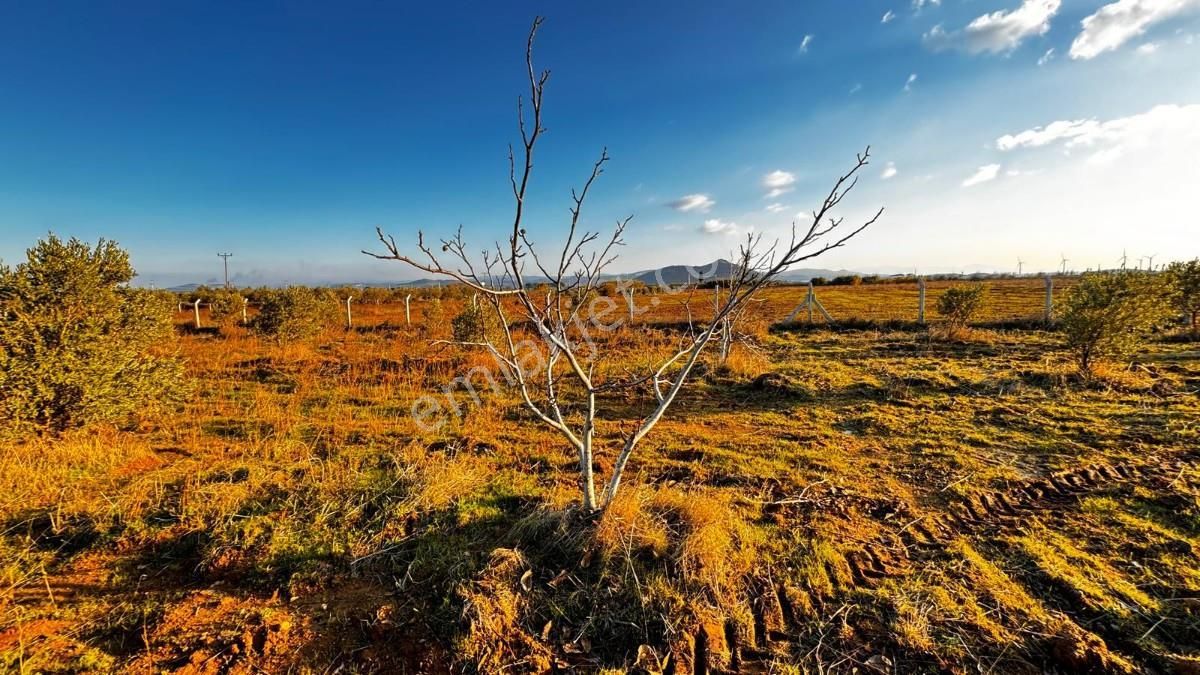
(285, 132)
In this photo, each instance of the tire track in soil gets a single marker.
(987, 514)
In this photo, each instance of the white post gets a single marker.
(1049, 313)
(921, 301)
(245, 304)
(810, 302)
(196, 310)
(628, 293)
(407, 316)
(349, 318)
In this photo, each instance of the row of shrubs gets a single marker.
(1106, 315)
(79, 345)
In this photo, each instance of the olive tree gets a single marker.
(1107, 315)
(295, 313)
(77, 344)
(225, 307)
(960, 304)
(1184, 278)
(559, 371)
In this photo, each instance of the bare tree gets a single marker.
(552, 310)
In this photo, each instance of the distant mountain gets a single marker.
(810, 273)
(682, 274)
(724, 269)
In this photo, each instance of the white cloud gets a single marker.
(1166, 123)
(805, 43)
(1147, 49)
(803, 216)
(856, 88)
(888, 16)
(1039, 136)
(698, 202)
(912, 79)
(1119, 22)
(999, 32)
(775, 208)
(889, 171)
(917, 5)
(718, 226)
(1047, 57)
(982, 175)
(779, 182)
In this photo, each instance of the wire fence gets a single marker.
(1006, 301)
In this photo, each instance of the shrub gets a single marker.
(469, 325)
(960, 304)
(77, 345)
(1184, 278)
(225, 307)
(295, 313)
(1108, 314)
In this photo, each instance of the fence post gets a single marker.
(245, 304)
(809, 302)
(196, 310)
(628, 293)
(1049, 313)
(407, 316)
(921, 301)
(349, 318)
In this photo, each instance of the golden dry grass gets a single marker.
(773, 515)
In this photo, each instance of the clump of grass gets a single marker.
(698, 532)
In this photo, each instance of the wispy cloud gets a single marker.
(778, 182)
(918, 5)
(982, 175)
(775, 208)
(856, 88)
(805, 43)
(1047, 57)
(1119, 22)
(1147, 49)
(700, 203)
(888, 17)
(1113, 136)
(998, 32)
(908, 84)
(889, 171)
(718, 226)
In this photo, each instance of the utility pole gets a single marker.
(225, 257)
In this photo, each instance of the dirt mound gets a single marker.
(210, 632)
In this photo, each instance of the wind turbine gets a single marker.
(1064, 262)
(1020, 266)
(1151, 259)
(1124, 258)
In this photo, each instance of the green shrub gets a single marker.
(295, 313)
(225, 307)
(77, 345)
(1184, 279)
(1107, 315)
(470, 325)
(960, 304)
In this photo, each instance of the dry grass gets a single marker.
(775, 511)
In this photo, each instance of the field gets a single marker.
(863, 496)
